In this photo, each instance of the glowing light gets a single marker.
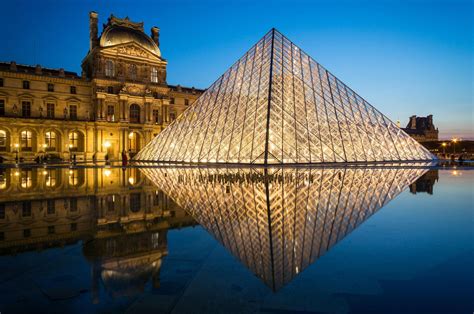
(107, 172)
(131, 180)
(17, 173)
(107, 144)
(71, 172)
(130, 135)
(17, 145)
(45, 145)
(45, 172)
(444, 144)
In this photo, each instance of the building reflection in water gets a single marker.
(278, 221)
(425, 183)
(119, 215)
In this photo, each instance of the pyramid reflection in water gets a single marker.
(277, 221)
(276, 105)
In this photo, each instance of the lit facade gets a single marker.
(276, 105)
(119, 103)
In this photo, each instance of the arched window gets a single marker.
(133, 72)
(109, 68)
(26, 138)
(3, 141)
(154, 75)
(134, 113)
(50, 140)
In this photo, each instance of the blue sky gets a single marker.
(404, 57)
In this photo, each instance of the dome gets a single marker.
(116, 35)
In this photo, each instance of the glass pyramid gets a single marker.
(278, 221)
(276, 105)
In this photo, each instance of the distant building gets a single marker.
(422, 129)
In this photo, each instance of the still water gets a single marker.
(230, 240)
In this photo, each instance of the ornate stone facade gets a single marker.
(119, 103)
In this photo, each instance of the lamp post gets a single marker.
(444, 148)
(454, 140)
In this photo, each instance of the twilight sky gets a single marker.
(404, 57)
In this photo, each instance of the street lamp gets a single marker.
(454, 140)
(444, 148)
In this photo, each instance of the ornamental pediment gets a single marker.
(132, 50)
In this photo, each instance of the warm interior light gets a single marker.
(17, 145)
(107, 144)
(17, 173)
(107, 172)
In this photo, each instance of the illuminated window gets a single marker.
(74, 140)
(154, 75)
(109, 68)
(26, 179)
(26, 109)
(133, 72)
(134, 142)
(135, 113)
(50, 140)
(51, 178)
(26, 138)
(3, 141)
(73, 177)
(50, 111)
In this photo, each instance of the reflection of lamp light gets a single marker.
(107, 172)
(130, 135)
(45, 145)
(45, 172)
(107, 144)
(131, 180)
(70, 145)
(17, 173)
(71, 172)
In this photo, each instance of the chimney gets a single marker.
(13, 66)
(430, 120)
(93, 35)
(38, 70)
(155, 35)
(413, 122)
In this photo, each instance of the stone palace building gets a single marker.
(119, 103)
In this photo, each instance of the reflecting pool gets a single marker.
(237, 240)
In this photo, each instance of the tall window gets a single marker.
(50, 87)
(134, 142)
(135, 202)
(26, 179)
(26, 209)
(110, 113)
(109, 68)
(133, 71)
(156, 116)
(171, 101)
(110, 89)
(135, 113)
(51, 207)
(50, 140)
(172, 116)
(3, 141)
(51, 178)
(50, 111)
(73, 204)
(73, 112)
(154, 75)
(1, 82)
(186, 102)
(26, 109)
(2, 107)
(26, 84)
(26, 138)
(74, 140)
(73, 89)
